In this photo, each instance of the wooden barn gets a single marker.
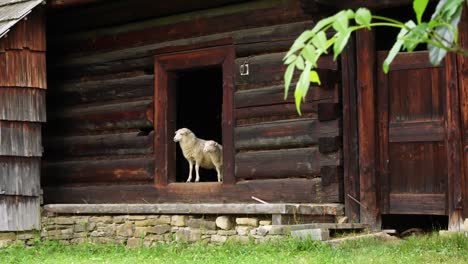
(123, 75)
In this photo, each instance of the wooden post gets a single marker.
(350, 132)
(366, 54)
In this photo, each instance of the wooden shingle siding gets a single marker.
(19, 176)
(23, 104)
(20, 139)
(19, 213)
(23, 68)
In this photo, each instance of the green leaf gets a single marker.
(419, 6)
(363, 17)
(293, 50)
(290, 59)
(341, 42)
(309, 54)
(314, 77)
(436, 54)
(417, 35)
(300, 63)
(350, 14)
(341, 21)
(323, 23)
(287, 79)
(320, 41)
(297, 99)
(302, 87)
(396, 47)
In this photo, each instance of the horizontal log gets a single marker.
(421, 203)
(329, 143)
(203, 208)
(22, 104)
(23, 68)
(294, 133)
(94, 145)
(272, 191)
(19, 213)
(328, 111)
(127, 87)
(136, 114)
(142, 57)
(268, 69)
(275, 95)
(20, 139)
(302, 162)
(205, 22)
(331, 175)
(268, 113)
(98, 171)
(416, 131)
(20, 176)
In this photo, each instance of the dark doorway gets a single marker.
(199, 97)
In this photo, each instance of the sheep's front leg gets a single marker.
(197, 168)
(220, 176)
(190, 171)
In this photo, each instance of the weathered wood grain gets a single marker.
(20, 139)
(127, 87)
(22, 104)
(23, 68)
(130, 143)
(302, 162)
(283, 134)
(19, 213)
(269, 113)
(431, 204)
(281, 190)
(137, 169)
(203, 208)
(20, 176)
(137, 114)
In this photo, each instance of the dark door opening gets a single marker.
(199, 97)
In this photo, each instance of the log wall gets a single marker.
(22, 111)
(99, 137)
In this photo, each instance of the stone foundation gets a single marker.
(146, 230)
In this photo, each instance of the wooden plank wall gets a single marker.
(99, 139)
(22, 110)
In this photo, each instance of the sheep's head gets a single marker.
(181, 133)
(211, 146)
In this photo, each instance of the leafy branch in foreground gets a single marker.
(440, 34)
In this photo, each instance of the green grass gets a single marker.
(421, 249)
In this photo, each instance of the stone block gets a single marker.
(80, 235)
(125, 230)
(136, 217)
(264, 222)
(279, 230)
(120, 219)
(25, 236)
(227, 232)
(79, 240)
(188, 235)
(134, 242)
(159, 229)
(63, 220)
(263, 230)
(7, 236)
(97, 234)
(101, 219)
(247, 221)
(224, 222)
(201, 224)
(208, 232)
(81, 227)
(179, 220)
(81, 219)
(164, 219)
(5, 243)
(90, 226)
(218, 239)
(314, 234)
(243, 230)
(140, 231)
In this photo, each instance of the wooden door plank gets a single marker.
(420, 203)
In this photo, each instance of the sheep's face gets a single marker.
(179, 134)
(210, 146)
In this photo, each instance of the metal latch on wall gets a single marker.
(244, 68)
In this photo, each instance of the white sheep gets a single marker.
(215, 151)
(193, 151)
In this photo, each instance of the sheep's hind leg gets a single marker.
(190, 171)
(197, 168)
(220, 176)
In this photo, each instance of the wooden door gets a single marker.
(414, 149)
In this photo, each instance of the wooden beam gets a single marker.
(203, 208)
(57, 4)
(366, 52)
